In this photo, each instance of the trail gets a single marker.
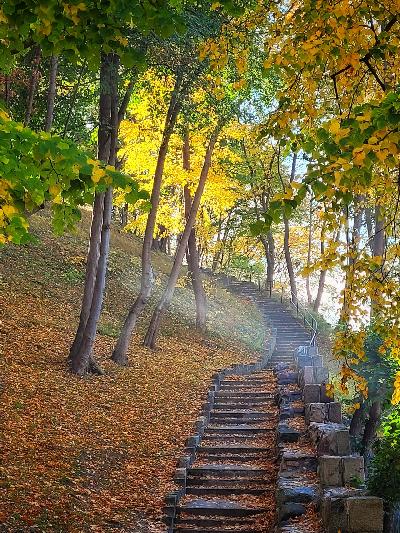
(231, 484)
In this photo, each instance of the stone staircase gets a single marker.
(290, 332)
(228, 485)
(228, 477)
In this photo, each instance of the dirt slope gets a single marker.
(97, 454)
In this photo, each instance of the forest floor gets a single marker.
(98, 453)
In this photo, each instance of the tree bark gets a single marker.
(124, 215)
(370, 230)
(286, 243)
(379, 235)
(222, 248)
(322, 274)
(308, 290)
(374, 416)
(356, 423)
(269, 248)
(51, 94)
(216, 257)
(90, 275)
(192, 253)
(32, 85)
(151, 335)
(120, 352)
(84, 362)
(81, 358)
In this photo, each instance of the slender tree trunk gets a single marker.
(222, 248)
(310, 221)
(124, 215)
(91, 271)
(120, 352)
(198, 289)
(288, 258)
(84, 361)
(32, 85)
(151, 335)
(286, 242)
(379, 235)
(81, 358)
(374, 414)
(322, 274)
(192, 253)
(51, 94)
(371, 426)
(370, 229)
(269, 249)
(356, 423)
(218, 253)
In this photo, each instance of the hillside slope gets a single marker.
(97, 454)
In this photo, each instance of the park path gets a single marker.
(230, 486)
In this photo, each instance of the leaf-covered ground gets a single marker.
(98, 454)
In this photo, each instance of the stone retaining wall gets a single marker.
(192, 443)
(331, 477)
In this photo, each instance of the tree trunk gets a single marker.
(32, 85)
(322, 274)
(84, 362)
(151, 335)
(221, 251)
(356, 423)
(120, 352)
(374, 416)
(288, 258)
(370, 230)
(269, 248)
(379, 235)
(51, 95)
(91, 271)
(216, 257)
(378, 250)
(192, 253)
(124, 215)
(308, 290)
(81, 359)
(286, 243)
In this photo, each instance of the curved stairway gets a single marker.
(290, 332)
(231, 485)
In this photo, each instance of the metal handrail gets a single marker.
(308, 319)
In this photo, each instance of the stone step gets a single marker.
(221, 507)
(238, 406)
(239, 386)
(238, 429)
(235, 420)
(196, 522)
(200, 529)
(236, 438)
(228, 482)
(246, 394)
(225, 491)
(224, 471)
(232, 449)
(242, 414)
(219, 458)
